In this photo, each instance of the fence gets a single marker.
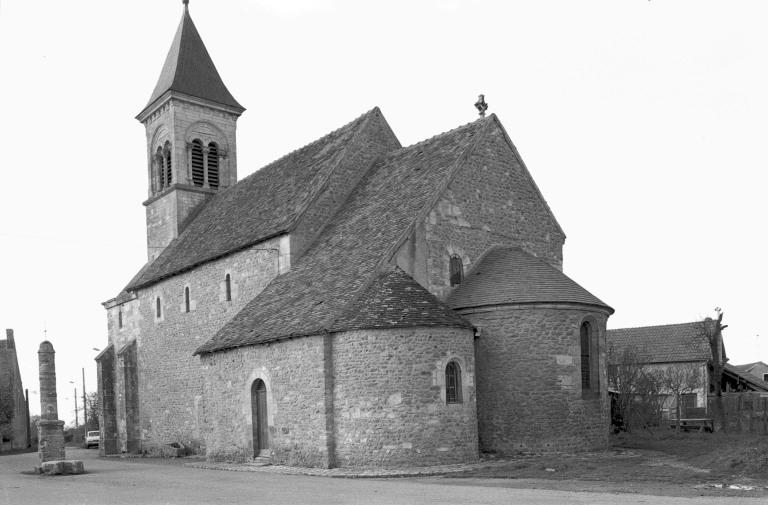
(745, 412)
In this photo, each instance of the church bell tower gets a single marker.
(190, 122)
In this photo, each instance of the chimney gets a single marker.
(9, 335)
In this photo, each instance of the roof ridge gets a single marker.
(654, 326)
(308, 144)
(482, 126)
(436, 136)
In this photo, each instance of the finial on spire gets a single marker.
(186, 4)
(481, 105)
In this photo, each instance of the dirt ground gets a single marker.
(659, 462)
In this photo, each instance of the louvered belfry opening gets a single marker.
(159, 169)
(213, 165)
(168, 171)
(198, 169)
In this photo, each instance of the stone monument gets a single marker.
(50, 430)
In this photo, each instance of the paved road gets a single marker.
(124, 481)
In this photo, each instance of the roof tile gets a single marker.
(663, 344)
(509, 275)
(315, 293)
(266, 203)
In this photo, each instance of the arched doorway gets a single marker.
(259, 417)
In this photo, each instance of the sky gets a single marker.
(642, 123)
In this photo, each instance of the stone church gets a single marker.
(353, 303)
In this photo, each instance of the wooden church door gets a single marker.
(259, 417)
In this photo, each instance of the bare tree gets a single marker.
(637, 388)
(94, 410)
(713, 331)
(624, 373)
(680, 379)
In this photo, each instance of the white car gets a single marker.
(92, 438)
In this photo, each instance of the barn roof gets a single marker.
(267, 203)
(313, 297)
(509, 275)
(663, 344)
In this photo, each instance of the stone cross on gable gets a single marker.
(481, 105)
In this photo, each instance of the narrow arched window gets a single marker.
(168, 171)
(456, 270)
(198, 169)
(159, 169)
(213, 165)
(120, 317)
(585, 335)
(452, 382)
(186, 299)
(228, 288)
(158, 308)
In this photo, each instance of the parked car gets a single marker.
(92, 438)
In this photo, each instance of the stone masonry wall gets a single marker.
(14, 431)
(294, 374)
(179, 122)
(491, 200)
(389, 404)
(169, 376)
(529, 380)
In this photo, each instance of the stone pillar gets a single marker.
(49, 429)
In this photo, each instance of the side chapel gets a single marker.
(353, 303)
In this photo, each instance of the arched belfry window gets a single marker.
(456, 270)
(167, 156)
(213, 165)
(228, 288)
(158, 308)
(452, 382)
(585, 336)
(159, 169)
(198, 168)
(186, 299)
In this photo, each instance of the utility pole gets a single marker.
(26, 406)
(77, 425)
(85, 405)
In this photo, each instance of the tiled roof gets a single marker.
(663, 344)
(749, 366)
(509, 275)
(189, 69)
(318, 289)
(264, 204)
(395, 300)
(737, 371)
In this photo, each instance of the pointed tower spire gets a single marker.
(190, 122)
(189, 69)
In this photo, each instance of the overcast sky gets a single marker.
(643, 123)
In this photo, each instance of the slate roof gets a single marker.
(395, 300)
(509, 275)
(663, 344)
(314, 294)
(266, 203)
(189, 69)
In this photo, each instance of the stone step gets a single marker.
(260, 461)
